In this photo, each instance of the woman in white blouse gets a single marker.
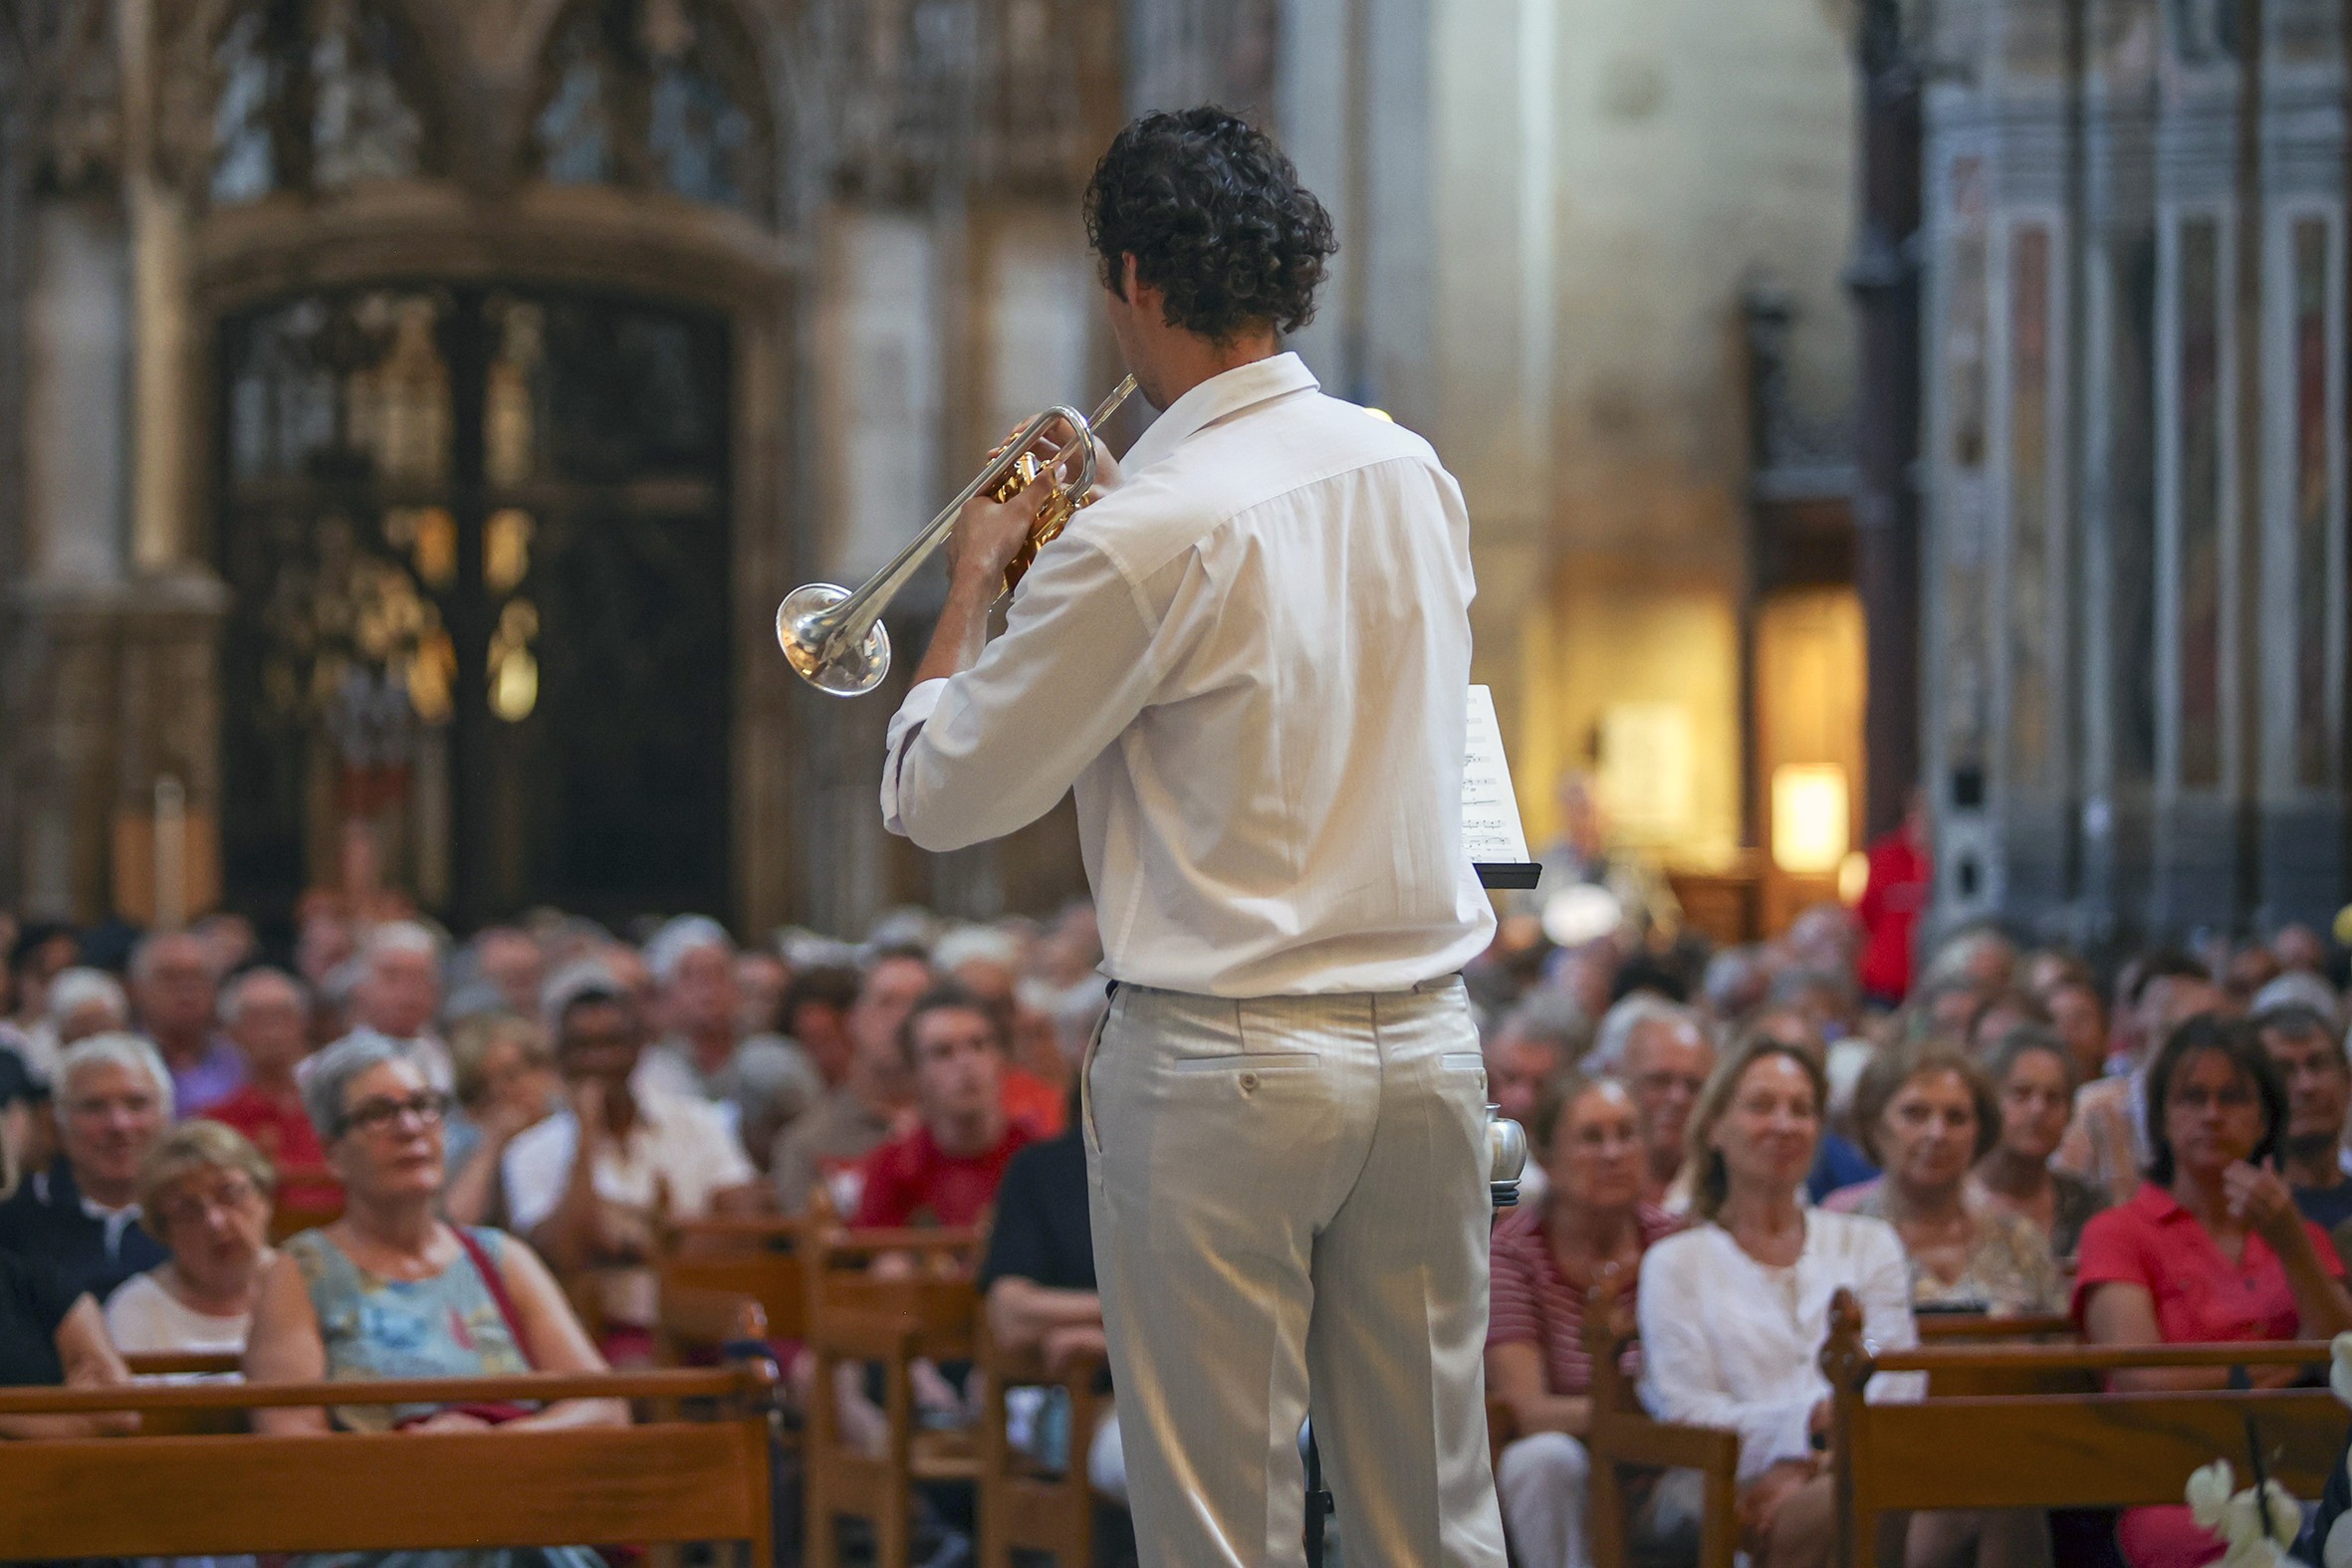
(205, 1192)
(1734, 1312)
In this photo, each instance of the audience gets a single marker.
(52, 1337)
(391, 1290)
(945, 1170)
(2107, 1143)
(173, 990)
(206, 1193)
(2079, 1019)
(1592, 1224)
(268, 1018)
(2209, 1247)
(759, 1083)
(398, 994)
(845, 1127)
(507, 1083)
(589, 1185)
(815, 1017)
(81, 1215)
(2033, 1073)
(1534, 1049)
(81, 1002)
(510, 962)
(2304, 1051)
(1039, 1289)
(1928, 1115)
(892, 1081)
(1664, 1066)
(1766, 1266)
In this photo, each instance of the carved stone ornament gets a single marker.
(63, 59)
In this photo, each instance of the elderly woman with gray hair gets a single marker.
(391, 1290)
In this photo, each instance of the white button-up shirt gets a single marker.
(1251, 660)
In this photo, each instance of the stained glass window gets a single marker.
(654, 93)
(314, 94)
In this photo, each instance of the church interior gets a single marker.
(1904, 447)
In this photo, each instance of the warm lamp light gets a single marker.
(1809, 824)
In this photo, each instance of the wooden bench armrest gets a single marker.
(1666, 1445)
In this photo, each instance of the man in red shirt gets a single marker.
(268, 1014)
(944, 1171)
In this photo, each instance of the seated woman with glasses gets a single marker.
(205, 1192)
(2209, 1248)
(392, 1290)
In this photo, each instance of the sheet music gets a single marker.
(1491, 828)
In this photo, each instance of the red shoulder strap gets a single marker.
(495, 1282)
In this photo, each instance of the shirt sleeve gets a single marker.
(882, 1191)
(534, 1169)
(40, 1291)
(1512, 1318)
(2110, 1255)
(1682, 1380)
(991, 749)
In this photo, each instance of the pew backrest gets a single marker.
(196, 1495)
(2036, 1428)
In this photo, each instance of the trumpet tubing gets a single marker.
(834, 636)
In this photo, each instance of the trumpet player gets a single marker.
(1250, 657)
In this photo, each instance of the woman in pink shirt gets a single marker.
(2209, 1248)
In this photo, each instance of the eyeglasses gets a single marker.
(371, 1116)
(190, 1205)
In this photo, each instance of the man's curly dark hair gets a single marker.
(1216, 219)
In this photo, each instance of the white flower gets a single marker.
(2256, 1536)
(2337, 1553)
(2339, 1372)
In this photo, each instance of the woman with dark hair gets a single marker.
(2211, 1247)
(2033, 1080)
(1926, 1115)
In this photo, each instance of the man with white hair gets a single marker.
(81, 1002)
(761, 1083)
(399, 996)
(172, 985)
(1663, 1055)
(113, 1101)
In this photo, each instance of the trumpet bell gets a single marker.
(802, 631)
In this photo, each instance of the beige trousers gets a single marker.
(1290, 1214)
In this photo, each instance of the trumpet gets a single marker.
(834, 636)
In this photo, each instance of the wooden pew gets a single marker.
(857, 1317)
(1623, 1437)
(1022, 1507)
(664, 1482)
(2048, 1437)
(757, 1258)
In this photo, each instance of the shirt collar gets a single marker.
(2158, 1204)
(1229, 392)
